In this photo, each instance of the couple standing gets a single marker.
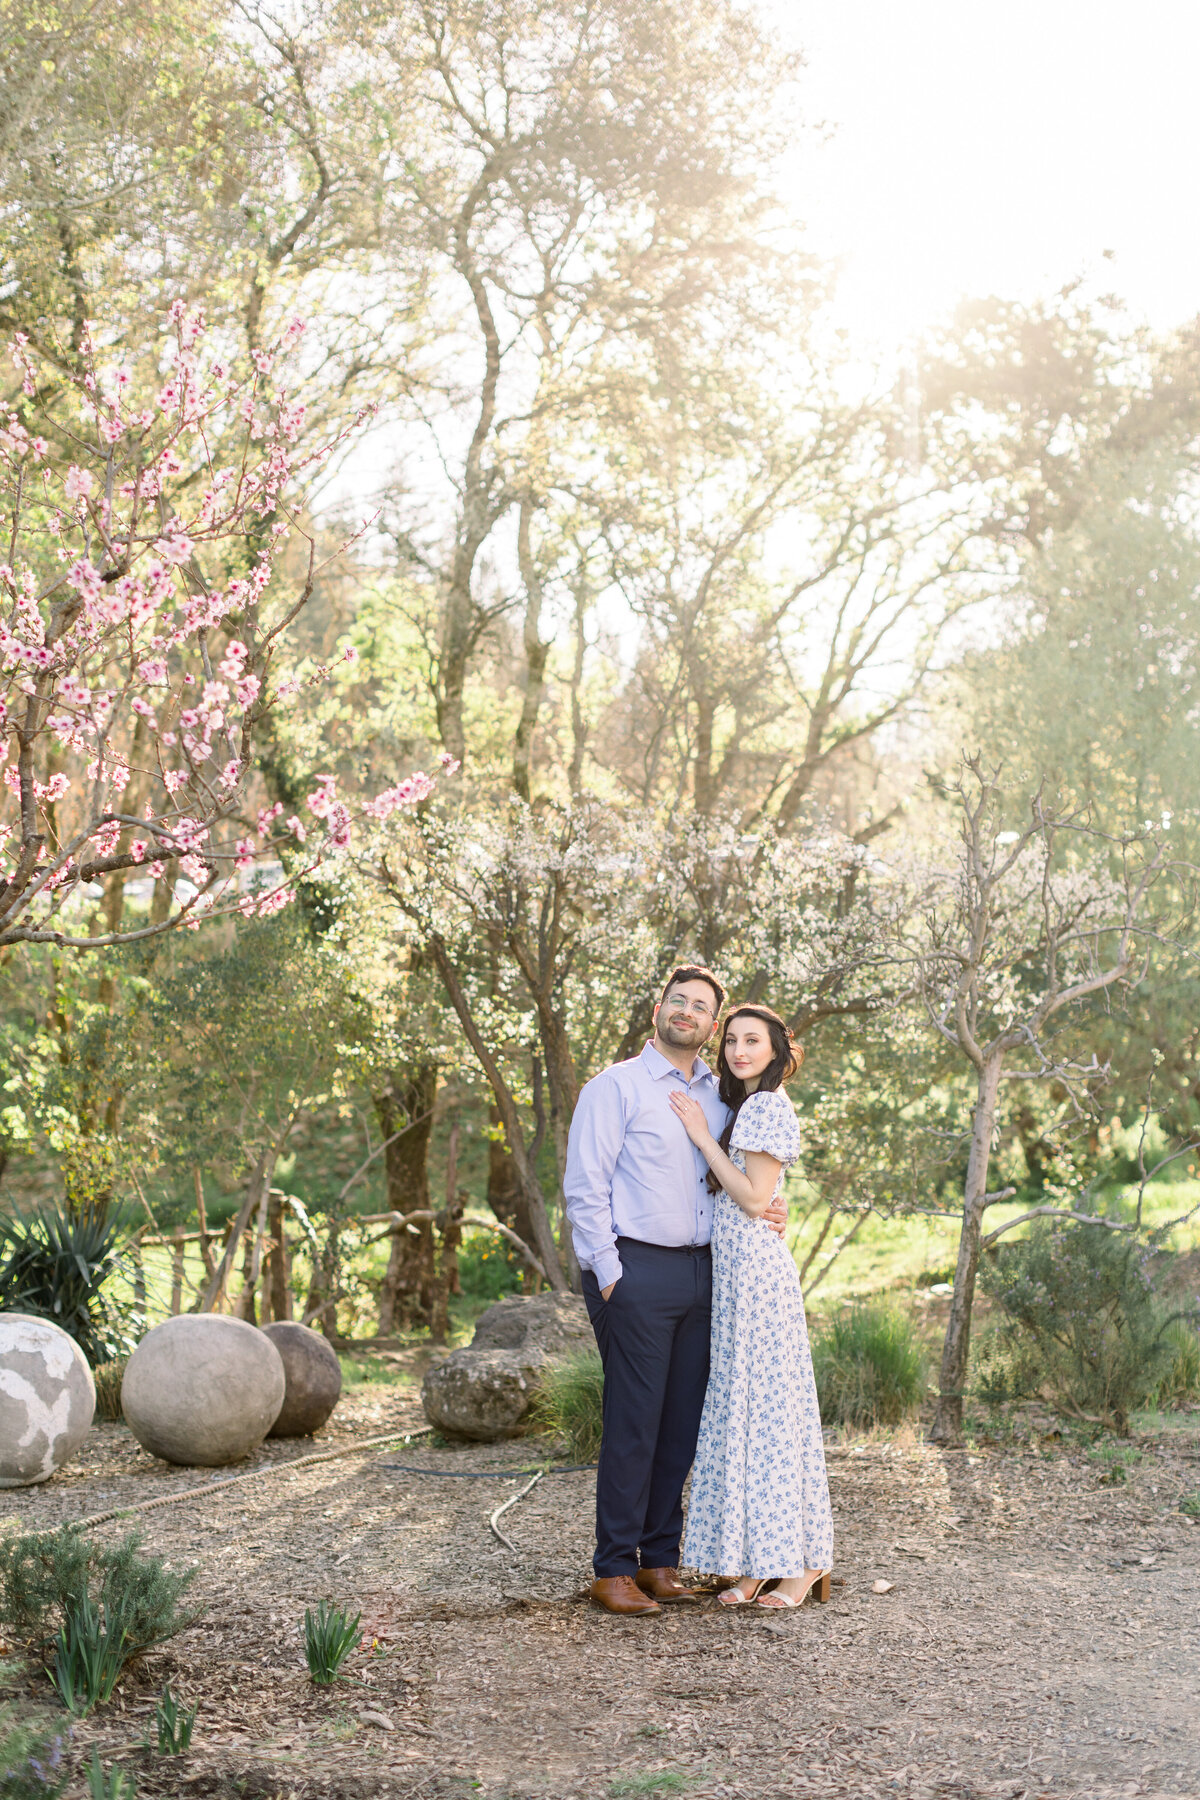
(673, 1193)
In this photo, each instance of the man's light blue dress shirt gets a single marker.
(632, 1170)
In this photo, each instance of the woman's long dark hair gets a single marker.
(785, 1062)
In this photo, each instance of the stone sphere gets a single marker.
(313, 1375)
(202, 1388)
(47, 1399)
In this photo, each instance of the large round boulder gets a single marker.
(47, 1399)
(313, 1376)
(202, 1388)
(485, 1391)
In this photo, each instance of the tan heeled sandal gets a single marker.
(818, 1587)
(733, 1596)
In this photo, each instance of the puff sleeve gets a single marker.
(767, 1122)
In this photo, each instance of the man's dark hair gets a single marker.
(695, 972)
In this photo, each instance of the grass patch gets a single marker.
(374, 1371)
(870, 1367)
(570, 1403)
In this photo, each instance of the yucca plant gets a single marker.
(174, 1725)
(55, 1263)
(329, 1638)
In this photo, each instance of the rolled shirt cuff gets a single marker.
(607, 1267)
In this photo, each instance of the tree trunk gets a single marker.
(406, 1107)
(947, 1424)
(277, 1293)
(541, 1240)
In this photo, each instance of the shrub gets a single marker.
(570, 1403)
(488, 1267)
(31, 1754)
(1180, 1378)
(88, 1603)
(869, 1366)
(54, 1264)
(329, 1638)
(108, 1377)
(1083, 1320)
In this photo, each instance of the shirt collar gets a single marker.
(658, 1065)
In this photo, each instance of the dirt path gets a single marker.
(1042, 1636)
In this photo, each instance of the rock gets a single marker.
(485, 1391)
(203, 1389)
(313, 1376)
(47, 1399)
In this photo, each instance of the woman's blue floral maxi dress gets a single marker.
(760, 1496)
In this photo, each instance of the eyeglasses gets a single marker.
(678, 1003)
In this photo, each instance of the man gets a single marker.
(641, 1219)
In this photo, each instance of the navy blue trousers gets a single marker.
(653, 1338)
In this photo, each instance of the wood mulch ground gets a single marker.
(1041, 1637)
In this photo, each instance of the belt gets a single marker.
(675, 1249)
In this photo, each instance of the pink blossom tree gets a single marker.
(141, 609)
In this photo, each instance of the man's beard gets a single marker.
(682, 1033)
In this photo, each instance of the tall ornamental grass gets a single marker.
(870, 1367)
(570, 1403)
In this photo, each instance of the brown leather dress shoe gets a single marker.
(621, 1594)
(663, 1585)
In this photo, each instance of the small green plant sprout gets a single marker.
(1190, 1506)
(329, 1638)
(90, 1650)
(174, 1725)
(115, 1785)
(1114, 1462)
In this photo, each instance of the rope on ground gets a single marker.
(494, 1520)
(215, 1487)
(485, 1474)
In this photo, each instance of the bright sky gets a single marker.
(987, 148)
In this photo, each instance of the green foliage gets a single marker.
(83, 1602)
(570, 1403)
(90, 1650)
(1005, 1366)
(55, 1264)
(357, 1370)
(869, 1367)
(1114, 1461)
(31, 1754)
(173, 1724)
(1180, 1378)
(329, 1638)
(1190, 1506)
(488, 1268)
(108, 1377)
(115, 1785)
(1084, 1324)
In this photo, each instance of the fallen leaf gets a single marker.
(377, 1718)
(882, 1587)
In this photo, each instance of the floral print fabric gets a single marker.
(760, 1497)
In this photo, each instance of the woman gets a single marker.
(759, 1505)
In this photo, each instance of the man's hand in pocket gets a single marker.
(605, 1292)
(776, 1215)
